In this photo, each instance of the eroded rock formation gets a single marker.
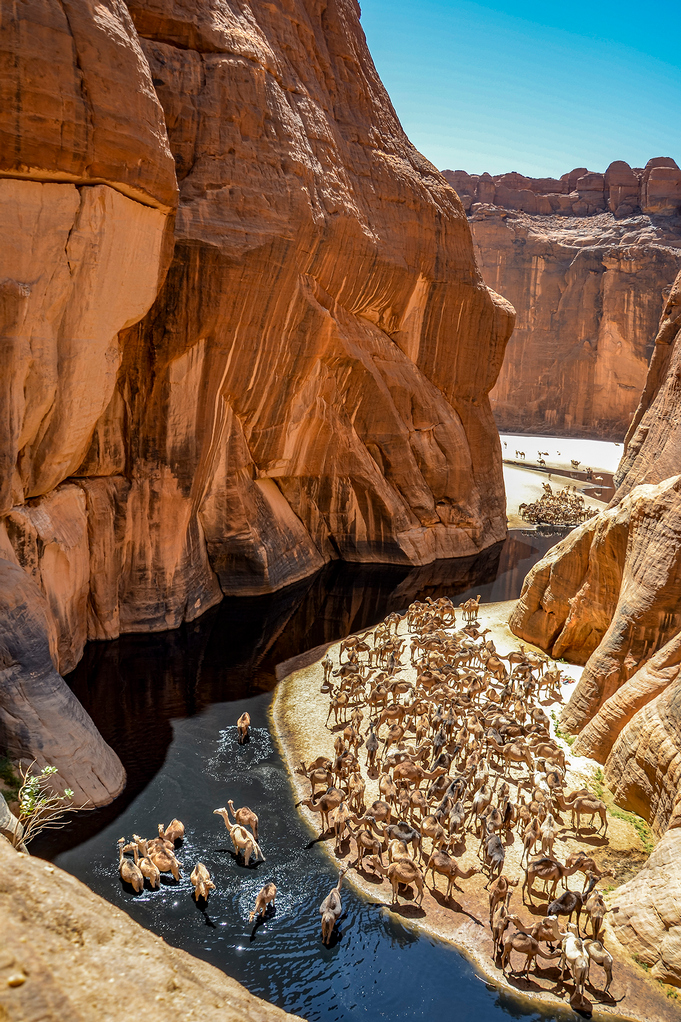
(116, 969)
(609, 596)
(243, 326)
(586, 268)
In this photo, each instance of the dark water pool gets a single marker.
(167, 703)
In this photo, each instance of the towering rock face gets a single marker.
(218, 387)
(585, 260)
(610, 595)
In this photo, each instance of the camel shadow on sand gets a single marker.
(453, 905)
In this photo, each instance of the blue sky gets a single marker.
(535, 87)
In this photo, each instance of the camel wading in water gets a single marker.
(244, 843)
(331, 908)
(201, 881)
(245, 817)
(129, 872)
(243, 726)
(266, 897)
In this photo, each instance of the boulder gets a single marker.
(40, 718)
(68, 954)
(646, 917)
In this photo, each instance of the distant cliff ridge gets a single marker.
(586, 260)
(623, 190)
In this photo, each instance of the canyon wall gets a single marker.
(609, 596)
(586, 260)
(243, 325)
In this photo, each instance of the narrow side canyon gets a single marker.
(587, 260)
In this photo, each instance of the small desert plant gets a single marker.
(40, 806)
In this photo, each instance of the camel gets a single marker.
(398, 850)
(242, 839)
(575, 958)
(203, 885)
(318, 776)
(338, 818)
(265, 898)
(570, 902)
(371, 747)
(526, 945)
(547, 870)
(440, 862)
(588, 866)
(498, 890)
(328, 801)
(403, 872)
(331, 908)
(163, 858)
(367, 844)
(499, 924)
(589, 806)
(598, 954)
(146, 867)
(243, 725)
(412, 773)
(129, 871)
(596, 910)
(174, 832)
(245, 817)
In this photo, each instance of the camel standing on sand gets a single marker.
(266, 897)
(405, 872)
(243, 725)
(331, 908)
(328, 801)
(203, 885)
(242, 839)
(440, 862)
(598, 954)
(527, 946)
(575, 958)
(498, 890)
(245, 817)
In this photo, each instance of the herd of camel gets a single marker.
(462, 752)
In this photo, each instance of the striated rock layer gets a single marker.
(587, 271)
(609, 596)
(116, 969)
(243, 328)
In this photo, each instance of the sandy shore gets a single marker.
(559, 452)
(299, 713)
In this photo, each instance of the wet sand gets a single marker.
(299, 713)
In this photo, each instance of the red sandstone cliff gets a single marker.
(220, 392)
(585, 260)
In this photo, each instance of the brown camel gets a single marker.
(328, 801)
(203, 885)
(129, 871)
(527, 946)
(146, 867)
(242, 839)
(331, 908)
(547, 870)
(164, 859)
(265, 898)
(174, 832)
(243, 725)
(404, 872)
(440, 862)
(245, 817)
(498, 891)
